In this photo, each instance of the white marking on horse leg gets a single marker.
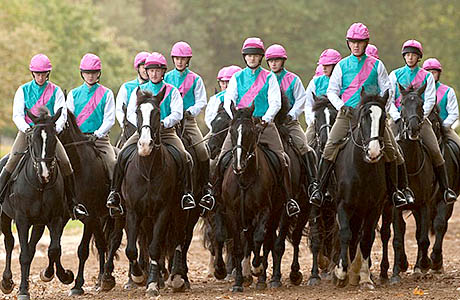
(374, 146)
(365, 274)
(246, 265)
(179, 248)
(339, 271)
(211, 268)
(327, 116)
(45, 171)
(353, 275)
(239, 142)
(145, 139)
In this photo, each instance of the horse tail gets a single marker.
(205, 226)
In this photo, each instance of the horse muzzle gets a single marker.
(145, 147)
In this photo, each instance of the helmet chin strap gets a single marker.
(97, 81)
(140, 76)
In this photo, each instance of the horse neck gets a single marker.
(152, 163)
(413, 151)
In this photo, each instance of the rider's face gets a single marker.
(253, 60)
(40, 77)
(180, 62)
(436, 74)
(223, 84)
(91, 77)
(327, 70)
(143, 72)
(276, 65)
(156, 75)
(357, 48)
(411, 59)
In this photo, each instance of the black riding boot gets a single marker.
(292, 207)
(187, 201)
(77, 211)
(310, 163)
(396, 196)
(318, 186)
(403, 184)
(4, 178)
(114, 198)
(207, 201)
(441, 173)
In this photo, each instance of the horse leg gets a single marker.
(315, 240)
(296, 276)
(7, 284)
(219, 266)
(108, 281)
(83, 254)
(279, 249)
(385, 234)
(440, 223)
(101, 246)
(398, 245)
(132, 230)
(345, 238)
(422, 220)
(237, 256)
(37, 233)
(25, 258)
(365, 247)
(246, 263)
(192, 220)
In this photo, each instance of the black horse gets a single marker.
(36, 198)
(360, 197)
(127, 130)
(93, 187)
(421, 181)
(219, 129)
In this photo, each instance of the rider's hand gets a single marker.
(261, 125)
(289, 119)
(92, 138)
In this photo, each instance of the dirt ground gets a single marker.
(445, 286)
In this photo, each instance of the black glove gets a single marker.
(188, 114)
(261, 126)
(92, 138)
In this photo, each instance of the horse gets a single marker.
(36, 199)
(440, 211)
(250, 201)
(322, 243)
(127, 130)
(219, 129)
(358, 205)
(93, 183)
(150, 190)
(421, 181)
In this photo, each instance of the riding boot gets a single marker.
(309, 159)
(403, 184)
(207, 201)
(187, 201)
(319, 185)
(292, 207)
(114, 198)
(393, 192)
(77, 211)
(441, 173)
(4, 178)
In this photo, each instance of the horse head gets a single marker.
(244, 135)
(436, 122)
(148, 121)
(218, 126)
(42, 143)
(371, 124)
(412, 110)
(325, 115)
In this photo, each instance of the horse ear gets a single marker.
(57, 115)
(403, 91)
(31, 116)
(252, 108)
(124, 108)
(139, 92)
(233, 109)
(363, 93)
(314, 96)
(385, 96)
(160, 96)
(421, 89)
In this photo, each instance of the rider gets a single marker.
(126, 88)
(171, 114)
(446, 98)
(371, 50)
(256, 85)
(412, 75)
(318, 85)
(344, 93)
(31, 95)
(292, 86)
(94, 108)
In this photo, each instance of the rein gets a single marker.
(211, 136)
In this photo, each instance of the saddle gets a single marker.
(453, 148)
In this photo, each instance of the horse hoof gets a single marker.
(130, 285)
(383, 280)
(326, 276)
(107, 283)
(178, 284)
(247, 280)
(43, 276)
(67, 278)
(23, 297)
(313, 281)
(237, 289)
(296, 277)
(417, 274)
(138, 279)
(261, 286)
(220, 273)
(274, 284)
(437, 271)
(152, 290)
(7, 286)
(257, 271)
(395, 279)
(76, 292)
(366, 286)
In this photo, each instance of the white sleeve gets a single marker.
(19, 117)
(60, 102)
(109, 116)
(334, 88)
(70, 103)
(430, 96)
(211, 110)
(122, 96)
(231, 94)
(177, 107)
(131, 109)
(274, 99)
(391, 108)
(300, 97)
(309, 101)
(452, 109)
(200, 98)
(384, 81)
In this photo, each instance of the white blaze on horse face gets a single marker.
(327, 115)
(239, 141)
(374, 145)
(45, 171)
(145, 142)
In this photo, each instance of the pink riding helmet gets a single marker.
(155, 60)
(412, 46)
(40, 63)
(275, 51)
(221, 73)
(358, 32)
(140, 58)
(181, 49)
(319, 70)
(229, 72)
(372, 50)
(90, 62)
(253, 45)
(329, 57)
(432, 64)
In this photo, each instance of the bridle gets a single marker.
(36, 160)
(249, 155)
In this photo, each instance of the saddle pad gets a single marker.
(275, 164)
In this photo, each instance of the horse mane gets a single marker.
(144, 96)
(43, 114)
(73, 128)
(322, 103)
